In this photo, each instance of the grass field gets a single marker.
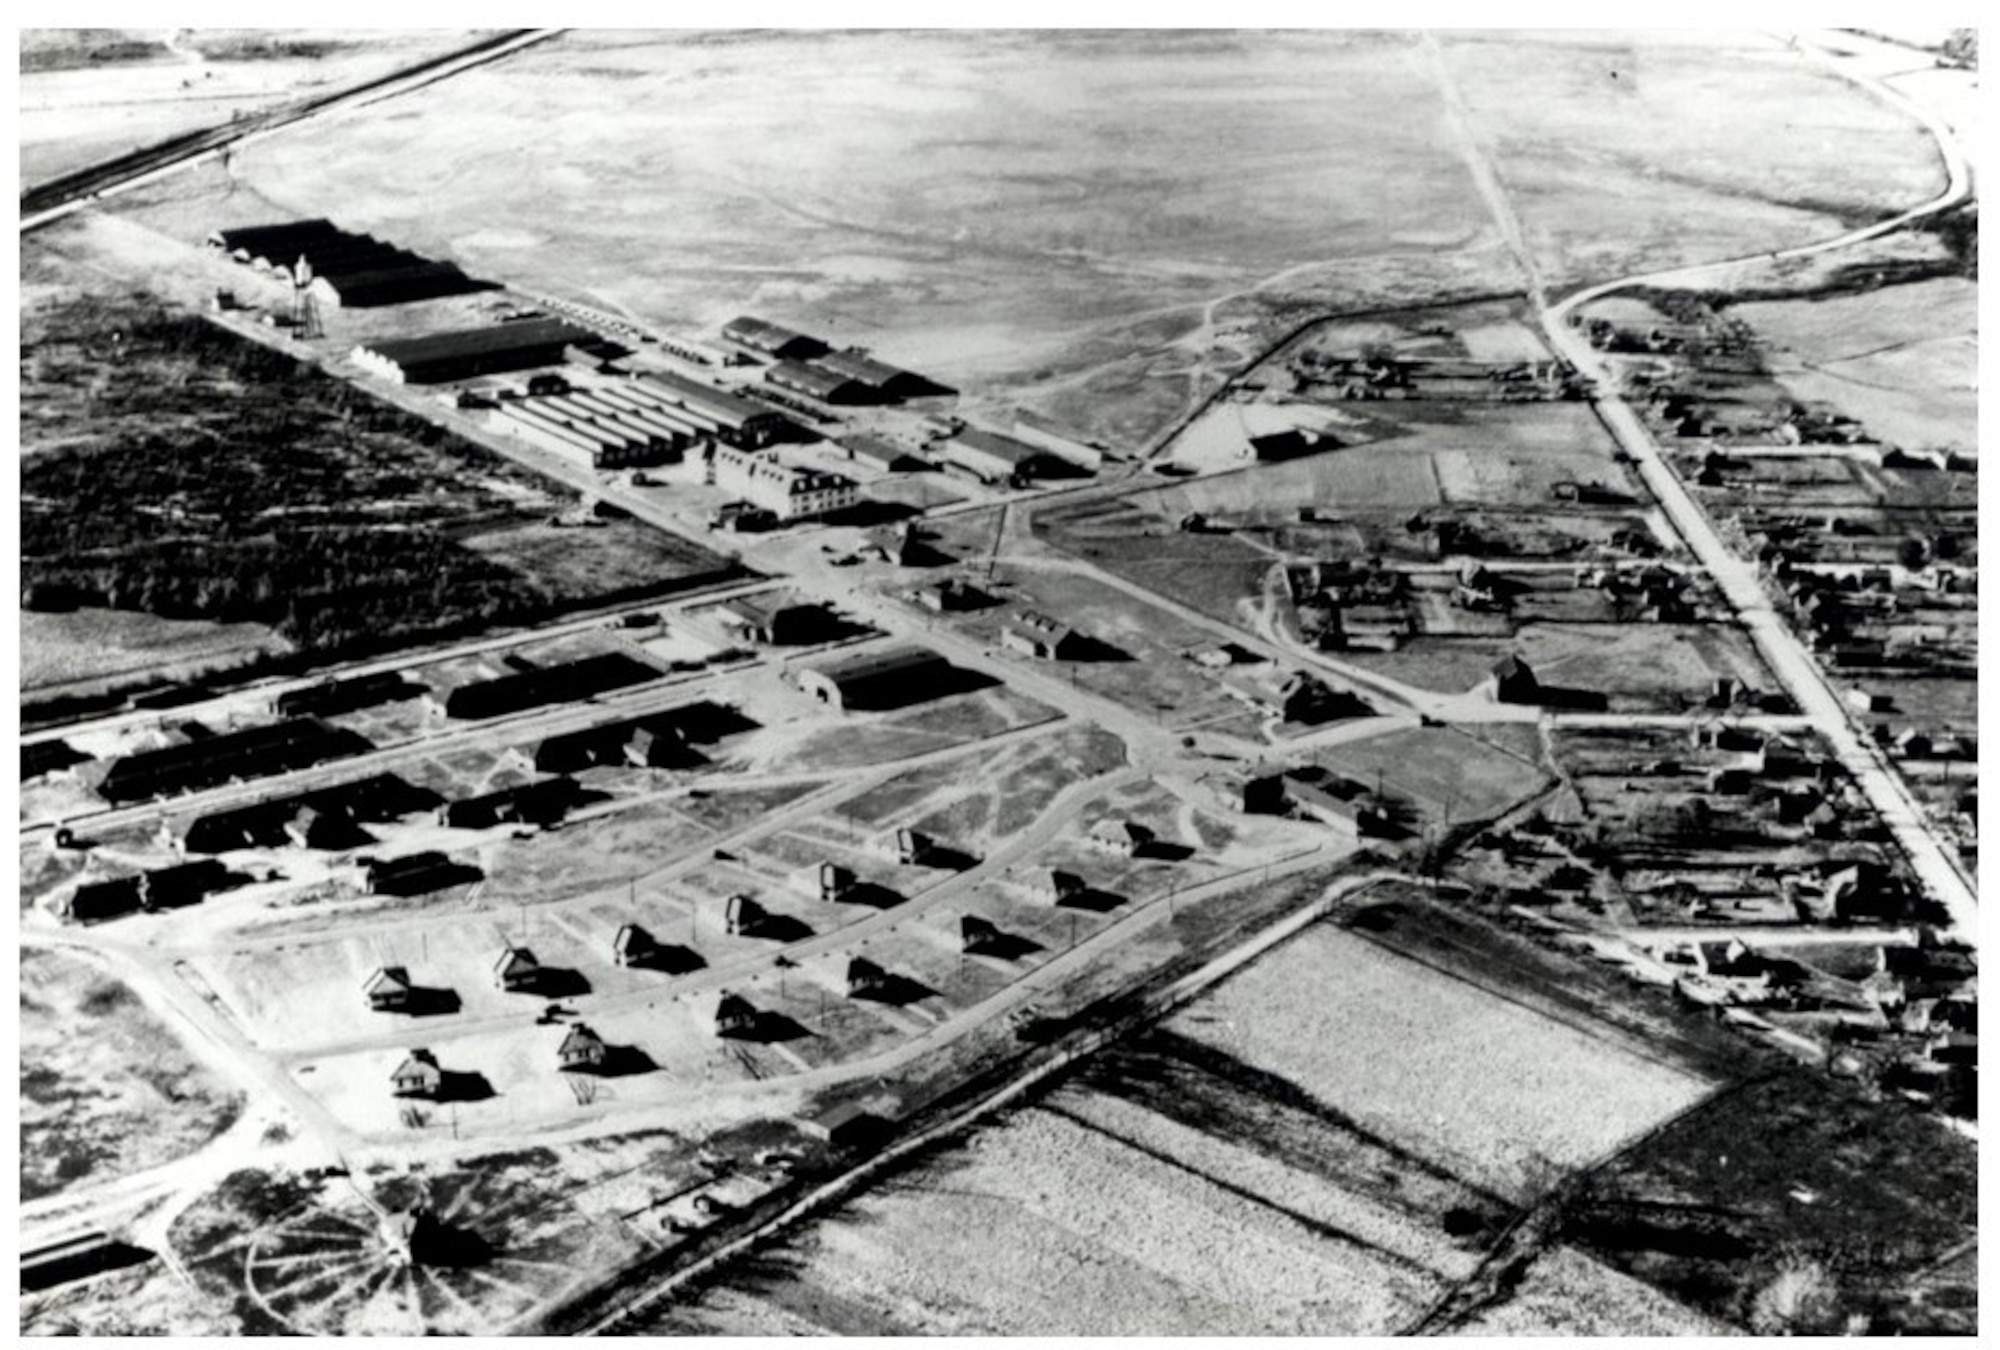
(1374, 1034)
(88, 649)
(1903, 360)
(106, 1090)
(1450, 776)
(1793, 1169)
(1566, 1293)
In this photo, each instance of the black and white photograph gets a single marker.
(998, 681)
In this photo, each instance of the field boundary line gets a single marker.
(1085, 1044)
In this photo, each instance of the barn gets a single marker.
(890, 679)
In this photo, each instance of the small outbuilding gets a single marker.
(388, 989)
(632, 945)
(517, 970)
(582, 1049)
(417, 1076)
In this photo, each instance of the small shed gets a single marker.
(1123, 838)
(743, 915)
(976, 935)
(844, 1126)
(735, 1015)
(865, 979)
(835, 881)
(1058, 887)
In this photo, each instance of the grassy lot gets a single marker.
(1449, 776)
(87, 649)
(1794, 1173)
(106, 1090)
(176, 470)
(1566, 1293)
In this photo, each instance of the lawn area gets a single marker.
(1451, 776)
(83, 650)
(106, 1089)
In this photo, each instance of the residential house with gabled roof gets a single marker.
(417, 1076)
(388, 989)
(632, 945)
(1055, 886)
(736, 1016)
(581, 1050)
(1040, 637)
(516, 969)
(1121, 837)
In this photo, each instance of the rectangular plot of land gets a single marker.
(1488, 1088)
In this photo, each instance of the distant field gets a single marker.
(1449, 775)
(106, 1090)
(1046, 219)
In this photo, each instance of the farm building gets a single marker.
(218, 758)
(417, 1076)
(581, 1049)
(736, 1016)
(568, 682)
(729, 417)
(539, 803)
(415, 874)
(771, 620)
(330, 697)
(632, 945)
(1056, 886)
(814, 382)
(516, 969)
(772, 340)
(993, 458)
(388, 989)
(890, 679)
(787, 492)
(1040, 637)
(463, 354)
(354, 271)
(1121, 838)
(40, 757)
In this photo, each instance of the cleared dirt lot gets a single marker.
(106, 1090)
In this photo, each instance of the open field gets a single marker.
(1629, 152)
(91, 93)
(1637, 665)
(1566, 1293)
(106, 1090)
(1902, 360)
(1450, 775)
(86, 649)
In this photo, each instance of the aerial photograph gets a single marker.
(987, 682)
